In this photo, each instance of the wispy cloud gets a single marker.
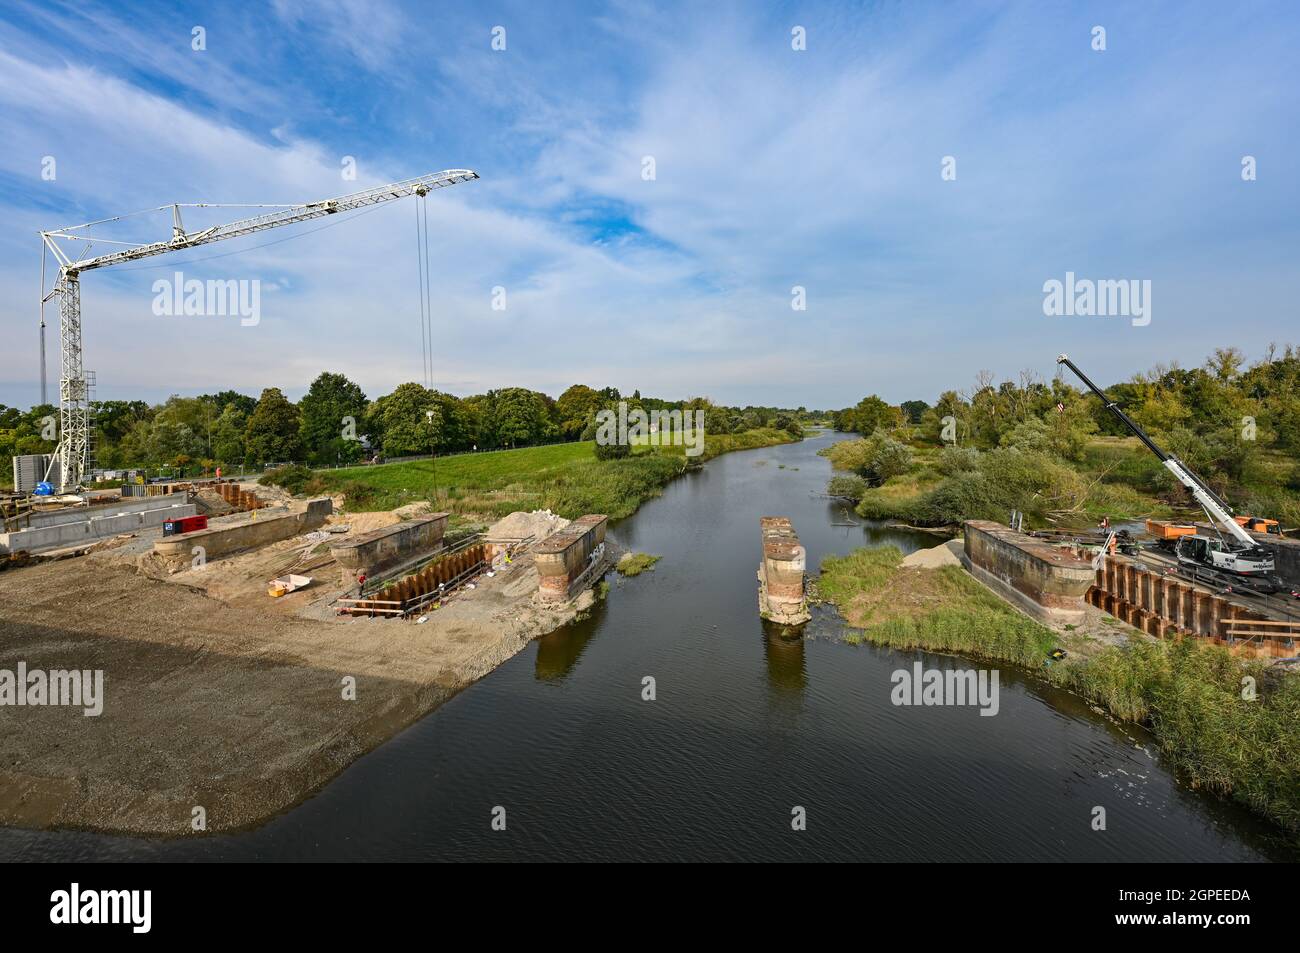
(774, 168)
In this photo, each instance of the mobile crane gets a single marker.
(1242, 555)
(72, 455)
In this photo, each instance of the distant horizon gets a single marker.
(159, 396)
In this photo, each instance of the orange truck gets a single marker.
(1164, 530)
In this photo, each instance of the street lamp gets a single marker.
(433, 456)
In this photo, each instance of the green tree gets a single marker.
(228, 434)
(272, 431)
(575, 409)
(331, 400)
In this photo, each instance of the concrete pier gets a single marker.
(176, 552)
(390, 546)
(566, 560)
(1046, 581)
(781, 596)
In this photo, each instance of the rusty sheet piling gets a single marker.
(434, 581)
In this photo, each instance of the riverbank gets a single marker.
(564, 478)
(220, 698)
(234, 706)
(1188, 694)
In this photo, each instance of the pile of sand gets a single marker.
(538, 524)
(945, 554)
(359, 523)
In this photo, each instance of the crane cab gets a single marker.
(1214, 553)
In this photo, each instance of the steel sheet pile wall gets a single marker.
(1165, 607)
(240, 499)
(416, 589)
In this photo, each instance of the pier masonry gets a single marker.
(781, 596)
(568, 560)
(1046, 581)
(390, 547)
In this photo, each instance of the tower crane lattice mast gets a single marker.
(74, 403)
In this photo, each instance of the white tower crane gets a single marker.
(74, 396)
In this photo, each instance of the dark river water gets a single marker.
(745, 727)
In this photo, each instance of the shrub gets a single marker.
(954, 460)
(849, 487)
(606, 451)
(292, 477)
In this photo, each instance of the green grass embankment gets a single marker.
(564, 478)
(1191, 695)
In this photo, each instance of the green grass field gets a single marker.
(565, 478)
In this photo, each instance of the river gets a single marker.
(745, 727)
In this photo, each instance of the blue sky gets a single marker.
(774, 168)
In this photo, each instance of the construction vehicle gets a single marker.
(1240, 555)
(73, 453)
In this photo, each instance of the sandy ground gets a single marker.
(217, 695)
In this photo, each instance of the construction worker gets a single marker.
(361, 582)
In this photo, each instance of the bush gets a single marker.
(875, 459)
(849, 487)
(606, 451)
(292, 477)
(990, 485)
(954, 460)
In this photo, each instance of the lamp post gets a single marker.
(433, 456)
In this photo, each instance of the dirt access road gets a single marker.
(237, 707)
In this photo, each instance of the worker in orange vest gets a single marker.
(361, 582)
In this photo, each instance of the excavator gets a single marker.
(1240, 555)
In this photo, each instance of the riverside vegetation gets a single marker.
(1194, 697)
(335, 424)
(1056, 454)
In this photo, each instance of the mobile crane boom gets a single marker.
(1211, 502)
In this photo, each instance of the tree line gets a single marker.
(1220, 418)
(336, 423)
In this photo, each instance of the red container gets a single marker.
(185, 524)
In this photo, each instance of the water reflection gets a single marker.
(787, 670)
(558, 653)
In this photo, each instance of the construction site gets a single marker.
(253, 645)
